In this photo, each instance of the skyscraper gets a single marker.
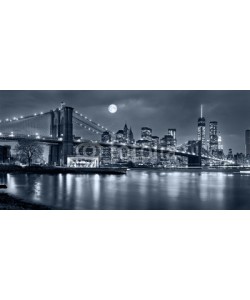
(247, 142)
(131, 136)
(155, 141)
(167, 141)
(213, 136)
(106, 137)
(125, 133)
(202, 129)
(146, 133)
(120, 136)
(230, 154)
(125, 136)
(172, 132)
(220, 145)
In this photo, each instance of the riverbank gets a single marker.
(8, 202)
(60, 170)
(108, 170)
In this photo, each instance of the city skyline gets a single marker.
(159, 110)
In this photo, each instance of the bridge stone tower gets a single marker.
(196, 160)
(61, 128)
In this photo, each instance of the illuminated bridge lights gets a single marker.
(95, 124)
(96, 128)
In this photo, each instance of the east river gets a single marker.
(139, 189)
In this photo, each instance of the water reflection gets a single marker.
(136, 190)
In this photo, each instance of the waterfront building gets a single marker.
(115, 155)
(239, 159)
(106, 155)
(202, 129)
(247, 142)
(83, 162)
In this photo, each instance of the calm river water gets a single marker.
(139, 189)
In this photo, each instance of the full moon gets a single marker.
(112, 108)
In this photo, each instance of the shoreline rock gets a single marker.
(9, 202)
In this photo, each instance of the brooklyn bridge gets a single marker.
(65, 131)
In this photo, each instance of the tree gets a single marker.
(29, 151)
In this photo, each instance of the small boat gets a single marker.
(3, 186)
(245, 172)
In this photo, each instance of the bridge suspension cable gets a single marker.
(26, 125)
(86, 125)
(90, 123)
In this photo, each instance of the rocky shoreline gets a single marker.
(8, 202)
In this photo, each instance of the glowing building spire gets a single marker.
(202, 129)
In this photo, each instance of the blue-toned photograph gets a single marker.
(125, 150)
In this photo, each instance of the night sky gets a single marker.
(159, 110)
